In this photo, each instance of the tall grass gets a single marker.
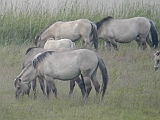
(21, 25)
(133, 90)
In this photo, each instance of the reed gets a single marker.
(19, 25)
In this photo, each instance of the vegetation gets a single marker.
(133, 90)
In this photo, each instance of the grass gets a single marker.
(133, 90)
(132, 93)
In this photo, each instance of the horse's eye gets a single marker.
(157, 61)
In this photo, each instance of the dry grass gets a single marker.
(132, 93)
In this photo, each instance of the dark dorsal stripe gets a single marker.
(40, 58)
(106, 19)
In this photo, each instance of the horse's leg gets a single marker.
(114, 44)
(95, 83)
(138, 41)
(81, 85)
(72, 84)
(87, 42)
(107, 44)
(149, 41)
(34, 86)
(51, 85)
(88, 86)
(48, 89)
(142, 41)
(42, 85)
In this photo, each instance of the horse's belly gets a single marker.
(125, 38)
(64, 69)
(67, 74)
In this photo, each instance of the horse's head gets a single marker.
(20, 87)
(157, 60)
(17, 82)
(39, 42)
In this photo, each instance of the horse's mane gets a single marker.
(24, 69)
(40, 57)
(106, 19)
(37, 37)
(29, 49)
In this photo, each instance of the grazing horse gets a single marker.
(126, 30)
(157, 60)
(72, 30)
(64, 66)
(30, 53)
(62, 43)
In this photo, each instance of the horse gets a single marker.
(64, 66)
(114, 30)
(73, 30)
(157, 60)
(30, 53)
(62, 43)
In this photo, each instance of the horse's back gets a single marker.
(77, 58)
(125, 30)
(57, 44)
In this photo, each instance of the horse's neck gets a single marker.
(29, 75)
(46, 35)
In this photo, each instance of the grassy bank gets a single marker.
(133, 90)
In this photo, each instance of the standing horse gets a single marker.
(72, 30)
(126, 30)
(64, 66)
(64, 43)
(30, 53)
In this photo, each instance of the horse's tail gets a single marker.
(104, 75)
(154, 34)
(94, 35)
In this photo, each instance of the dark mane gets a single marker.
(39, 58)
(37, 37)
(29, 49)
(106, 19)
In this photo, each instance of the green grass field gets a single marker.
(133, 92)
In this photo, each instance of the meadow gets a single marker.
(133, 91)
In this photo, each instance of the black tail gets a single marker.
(104, 75)
(154, 34)
(94, 35)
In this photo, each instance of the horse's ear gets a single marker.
(16, 83)
(20, 80)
